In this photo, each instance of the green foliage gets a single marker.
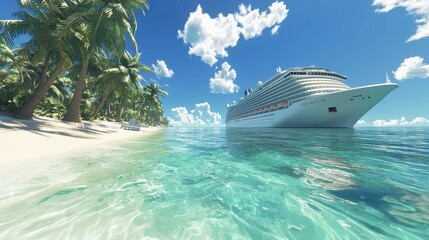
(74, 33)
(12, 95)
(51, 107)
(16, 73)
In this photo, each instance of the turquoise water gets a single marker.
(217, 183)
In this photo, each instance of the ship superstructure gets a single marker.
(291, 97)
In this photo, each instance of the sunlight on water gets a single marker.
(218, 183)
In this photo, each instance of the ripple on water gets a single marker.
(218, 183)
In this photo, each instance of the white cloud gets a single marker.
(401, 122)
(419, 8)
(200, 115)
(412, 67)
(253, 22)
(182, 116)
(223, 81)
(275, 29)
(419, 120)
(209, 37)
(361, 122)
(161, 70)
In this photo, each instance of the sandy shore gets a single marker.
(34, 140)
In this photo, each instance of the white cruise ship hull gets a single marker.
(335, 110)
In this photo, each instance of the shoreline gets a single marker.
(43, 139)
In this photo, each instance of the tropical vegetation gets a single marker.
(74, 63)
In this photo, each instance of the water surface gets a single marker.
(217, 183)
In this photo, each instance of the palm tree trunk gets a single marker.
(120, 110)
(100, 105)
(149, 113)
(73, 111)
(30, 105)
(45, 68)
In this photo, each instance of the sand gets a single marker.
(24, 141)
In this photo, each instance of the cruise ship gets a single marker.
(305, 97)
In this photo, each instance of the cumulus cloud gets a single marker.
(223, 81)
(200, 115)
(361, 122)
(275, 29)
(253, 22)
(161, 70)
(419, 120)
(401, 122)
(418, 8)
(210, 37)
(412, 67)
(182, 116)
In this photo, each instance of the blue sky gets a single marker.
(354, 38)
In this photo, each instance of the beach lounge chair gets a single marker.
(131, 125)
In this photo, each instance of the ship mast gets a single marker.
(387, 78)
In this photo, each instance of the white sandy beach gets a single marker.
(22, 141)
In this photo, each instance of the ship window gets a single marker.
(332, 109)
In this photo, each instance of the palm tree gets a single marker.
(100, 25)
(53, 104)
(15, 63)
(137, 108)
(38, 19)
(17, 75)
(155, 106)
(80, 40)
(122, 78)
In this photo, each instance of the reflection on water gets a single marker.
(216, 183)
(319, 159)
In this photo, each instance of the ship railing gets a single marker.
(270, 108)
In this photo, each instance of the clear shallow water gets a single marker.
(216, 183)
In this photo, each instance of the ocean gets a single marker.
(218, 183)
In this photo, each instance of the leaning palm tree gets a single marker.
(38, 19)
(53, 104)
(100, 25)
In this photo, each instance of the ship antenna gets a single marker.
(387, 78)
